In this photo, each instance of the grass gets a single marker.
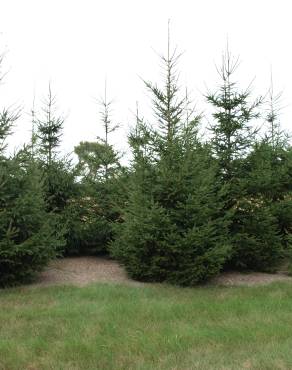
(155, 327)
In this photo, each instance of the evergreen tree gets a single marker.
(253, 230)
(172, 229)
(98, 161)
(110, 157)
(6, 123)
(270, 164)
(58, 176)
(233, 132)
(7, 119)
(49, 129)
(28, 239)
(91, 214)
(28, 234)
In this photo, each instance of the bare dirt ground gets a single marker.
(252, 278)
(81, 271)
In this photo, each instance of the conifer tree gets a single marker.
(275, 135)
(271, 170)
(7, 119)
(57, 172)
(170, 232)
(28, 239)
(98, 161)
(253, 229)
(92, 213)
(232, 132)
(49, 129)
(29, 236)
(110, 160)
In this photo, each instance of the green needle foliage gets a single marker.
(28, 234)
(58, 176)
(253, 230)
(172, 230)
(185, 207)
(49, 130)
(270, 178)
(91, 213)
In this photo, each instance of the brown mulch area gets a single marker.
(235, 278)
(81, 271)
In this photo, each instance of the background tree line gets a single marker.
(186, 206)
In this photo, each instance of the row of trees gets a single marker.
(184, 208)
(196, 207)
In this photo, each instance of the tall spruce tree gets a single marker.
(29, 236)
(28, 239)
(270, 177)
(253, 230)
(57, 172)
(172, 229)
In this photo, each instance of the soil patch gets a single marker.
(81, 271)
(235, 278)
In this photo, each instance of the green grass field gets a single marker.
(155, 327)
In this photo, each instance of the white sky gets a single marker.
(77, 44)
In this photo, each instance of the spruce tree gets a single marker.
(92, 213)
(59, 179)
(110, 158)
(253, 230)
(49, 129)
(29, 236)
(98, 160)
(28, 239)
(7, 119)
(271, 170)
(172, 229)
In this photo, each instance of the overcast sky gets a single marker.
(77, 44)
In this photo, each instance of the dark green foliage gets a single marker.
(28, 234)
(90, 214)
(183, 243)
(282, 210)
(253, 231)
(184, 209)
(143, 241)
(97, 161)
(87, 229)
(255, 237)
(173, 229)
(6, 122)
(269, 183)
(49, 130)
(60, 186)
(269, 179)
(88, 222)
(58, 174)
